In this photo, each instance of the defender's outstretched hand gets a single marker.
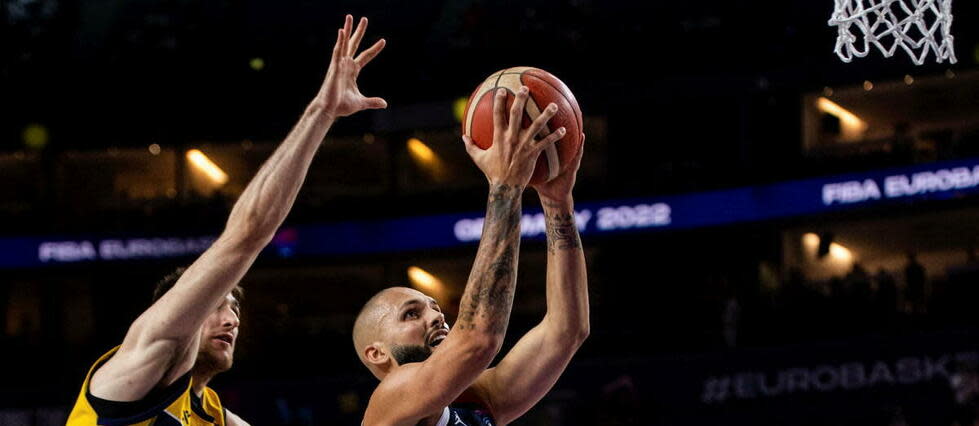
(339, 96)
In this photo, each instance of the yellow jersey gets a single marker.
(175, 405)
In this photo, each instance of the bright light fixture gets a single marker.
(206, 166)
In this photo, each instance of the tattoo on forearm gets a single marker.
(562, 233)
(489, 296)
(495, 295)
(501, 204)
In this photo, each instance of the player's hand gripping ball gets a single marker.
(544, 89)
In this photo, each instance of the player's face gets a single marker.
(219, 335)
(416, 327)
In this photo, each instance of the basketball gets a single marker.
(545, 88)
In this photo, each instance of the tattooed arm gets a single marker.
(419, 390)
(534, 364)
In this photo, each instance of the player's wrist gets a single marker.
(319, 110)
(505, 190)
(495, 183)
(562, 203)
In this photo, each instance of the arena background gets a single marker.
(748, 249)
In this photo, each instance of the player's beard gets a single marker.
(405, 354)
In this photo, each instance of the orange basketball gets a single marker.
(545, 88)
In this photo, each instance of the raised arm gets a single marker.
(534, 364)
(484, 311)
(161, 345)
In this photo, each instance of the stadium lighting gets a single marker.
(427, 159)
(839, 252)
(423, 280)
(421, 152)
(257, 64)
(35, 136)
(810, 240)
(851, 125)
(206, 166)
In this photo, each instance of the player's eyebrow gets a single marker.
(411, 302)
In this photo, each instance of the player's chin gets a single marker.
(222, 358)
(225, 366)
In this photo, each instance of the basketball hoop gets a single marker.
(919, 27)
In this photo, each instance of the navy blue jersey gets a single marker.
(454, 416)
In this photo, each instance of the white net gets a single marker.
(919, 27)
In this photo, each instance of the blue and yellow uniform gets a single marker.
(175, 405)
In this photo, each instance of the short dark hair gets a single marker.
(170, 279)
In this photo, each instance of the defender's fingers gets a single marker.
(358, 35)
(375, 103)
(344, 38)
(348, 22)
(368, 55)
(338, 48)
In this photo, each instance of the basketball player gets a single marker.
(159, 374)
(427, 372)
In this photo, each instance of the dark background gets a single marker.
(677, 96)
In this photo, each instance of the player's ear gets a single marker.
(376, 355)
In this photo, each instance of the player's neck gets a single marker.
(201, 377)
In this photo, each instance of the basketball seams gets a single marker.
(477, 97)
(524, 71)
(511, 79)
(482, 91)
(497, 84)
(470, 107)
(550, 152)
(553, 160)
(561, 92)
